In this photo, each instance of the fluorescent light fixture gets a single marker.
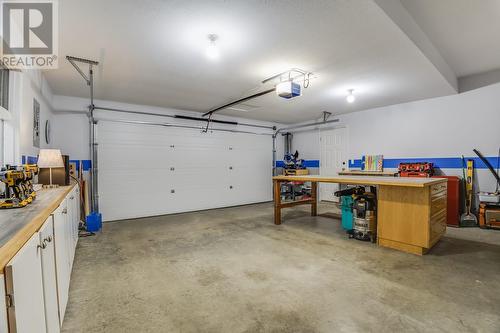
(350, 96)
(212, 51)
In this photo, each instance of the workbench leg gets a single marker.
(277, 202)
(314, 197)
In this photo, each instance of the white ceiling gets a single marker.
(152, 52)
(466, 32)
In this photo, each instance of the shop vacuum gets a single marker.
(363, 213)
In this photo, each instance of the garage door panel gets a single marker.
(147, 170)
(119, 157)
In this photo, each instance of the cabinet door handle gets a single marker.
(48, 239)
(71, 197)
(42, 246)
(65, 211)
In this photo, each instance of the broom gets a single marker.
(467, 219)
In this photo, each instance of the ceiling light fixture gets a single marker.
(350, 96)
(212, 51)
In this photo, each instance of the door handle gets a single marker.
(65, 211)
(42, 246)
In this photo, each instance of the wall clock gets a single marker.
(47, 131)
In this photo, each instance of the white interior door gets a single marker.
(152, 170)
(334, 147)
(24, 283)
(49, 277)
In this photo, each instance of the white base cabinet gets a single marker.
(62, 256)
(49, 277)
(37, 278)
(24, 288)
(4, 324)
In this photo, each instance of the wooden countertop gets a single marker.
(368, 173)
(19, 224)
(366, 180)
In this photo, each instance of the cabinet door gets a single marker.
(62, 257)
(25, 287)
(49, 276)
(4, 326)
(76, 216)
(73, 219)
(69, 229)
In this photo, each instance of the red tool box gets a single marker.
(416, 169)
(453, 203)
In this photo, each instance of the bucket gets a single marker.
(94, 222)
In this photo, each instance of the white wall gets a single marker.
(35, 86)
(18, 131)
(440, 127)
(70, 132)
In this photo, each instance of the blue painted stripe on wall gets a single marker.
(442, 163)
(355, 163)
(86, 164)
(307, 164)
(31, 159)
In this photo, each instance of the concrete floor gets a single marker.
(232, 270)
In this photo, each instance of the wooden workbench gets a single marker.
(19, 224)
(411, 212)
(368, 173)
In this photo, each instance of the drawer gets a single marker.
(439, 195)
(438, 205)
(439, 216)
(437, 228)
(438, 189)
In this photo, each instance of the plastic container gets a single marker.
(94, 222)
(489, 197)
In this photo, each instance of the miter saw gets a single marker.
(292, 161)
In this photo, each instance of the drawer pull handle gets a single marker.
(42, 246)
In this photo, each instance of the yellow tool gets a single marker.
(18, 187)
(467, 219)
(30, 170)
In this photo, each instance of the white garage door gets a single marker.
(150, 170)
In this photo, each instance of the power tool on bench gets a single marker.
(30, 171)
(17, 187)
(292, 161)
